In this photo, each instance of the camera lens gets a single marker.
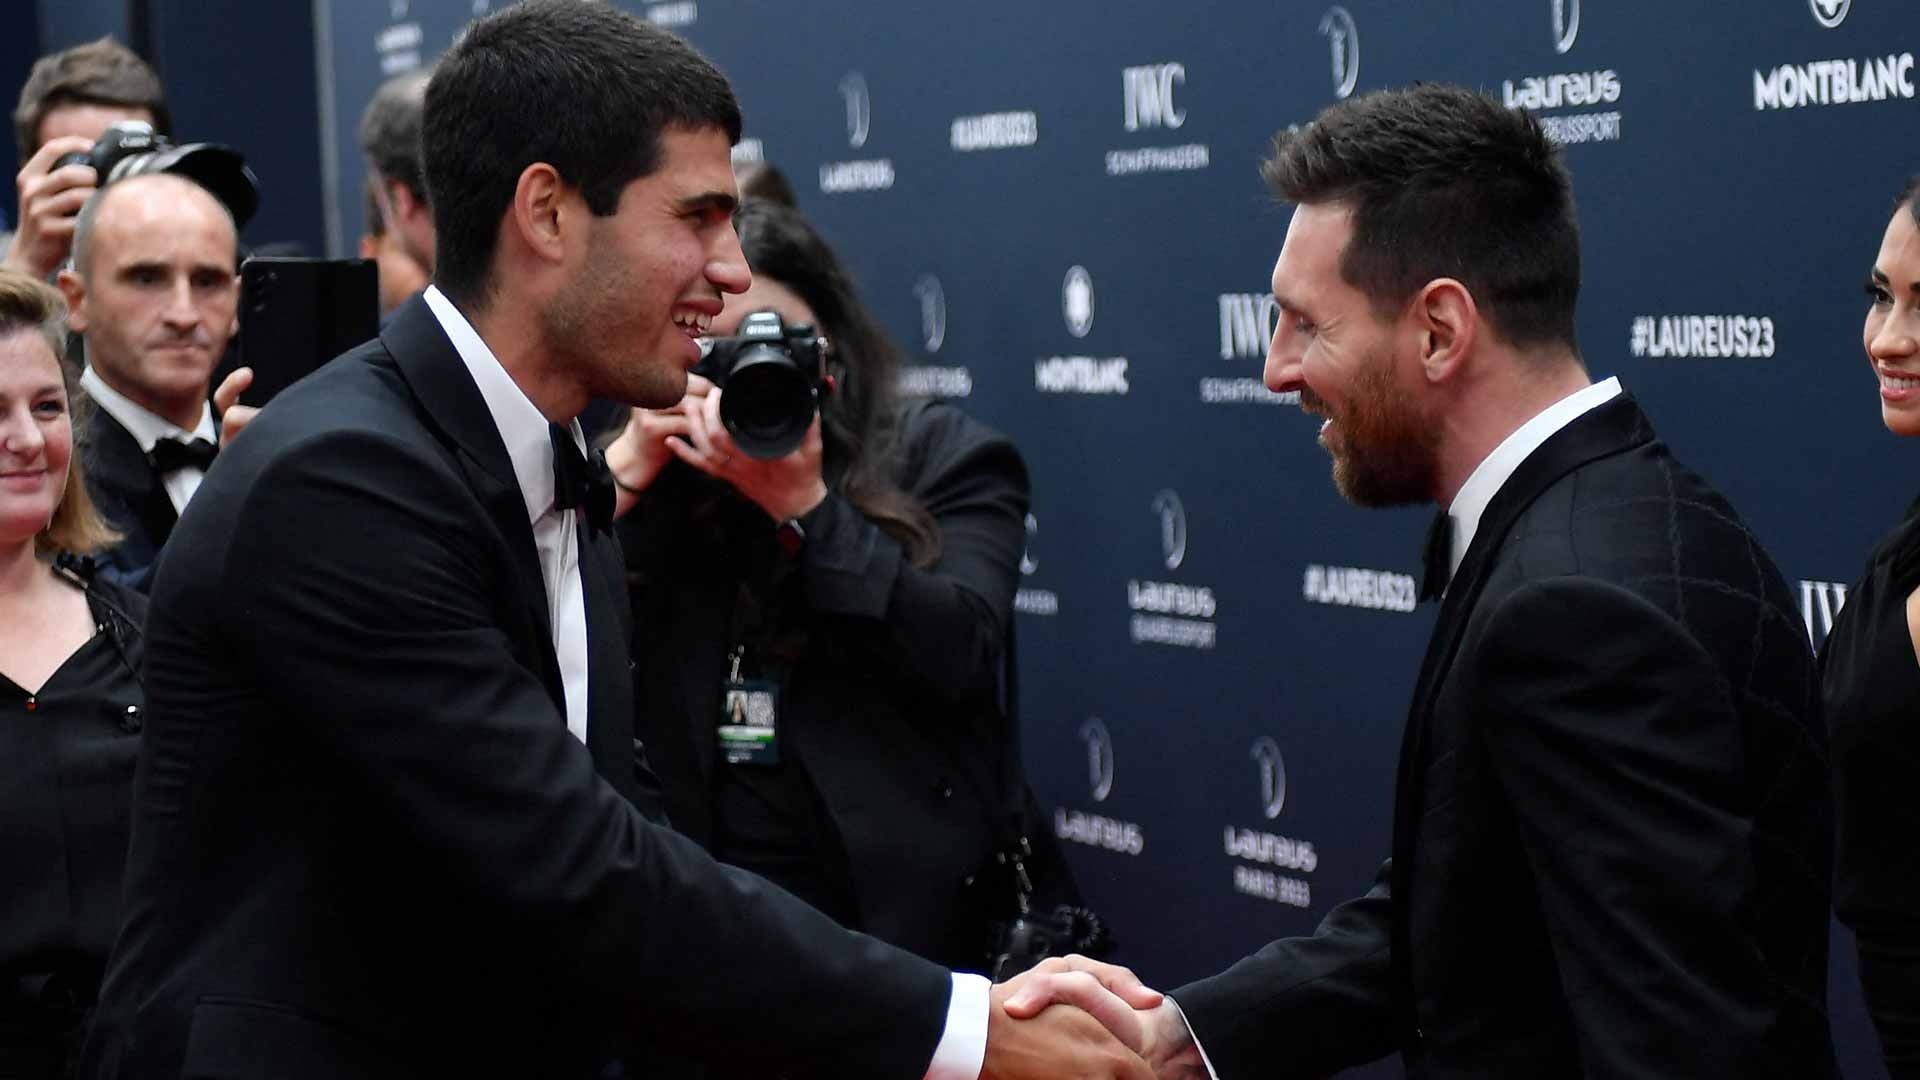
(768, 403)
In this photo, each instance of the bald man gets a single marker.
(154, 292)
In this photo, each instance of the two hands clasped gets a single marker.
(784, 487)
(1072, 1016)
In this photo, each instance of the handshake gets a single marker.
(1075, 1017)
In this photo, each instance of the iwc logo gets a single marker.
(1566, 24)
(1173, 527)
(1076, 301)
(1343, 38)
(1830, 13)
(1273, 776)
(1099, 757)
(853, 89)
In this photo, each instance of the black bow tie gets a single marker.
(171, 454)
(579, 483)
(1439, 558)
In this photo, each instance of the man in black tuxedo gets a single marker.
(154, 295)
(390, 820)
(1611, 830)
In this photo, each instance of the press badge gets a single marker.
(749, 720)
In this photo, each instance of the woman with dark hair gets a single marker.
(70, 703)
(1870, 670)
(863, 585)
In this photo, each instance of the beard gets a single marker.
(590, 326)
(1382, 447)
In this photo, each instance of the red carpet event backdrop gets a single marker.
(1057, 209)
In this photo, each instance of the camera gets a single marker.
(773, 375)
(132, 148)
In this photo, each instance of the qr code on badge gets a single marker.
(760, 708)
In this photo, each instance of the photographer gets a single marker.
(66, 105)
(865, 580)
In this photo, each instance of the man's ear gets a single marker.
(538, 213)
(74, 288)
(1448, 323)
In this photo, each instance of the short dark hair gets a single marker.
(583, 87)
(1910, 198)
(1444, 182)
(390, 130)
(102, 72)
(376, 214)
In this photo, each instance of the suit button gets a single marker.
(130, 721)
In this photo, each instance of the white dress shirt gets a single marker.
(147, 429)
(963, 1044)
(1491, 474)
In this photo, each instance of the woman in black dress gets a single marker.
(70, 704)
(866, 578)
(1871, 676)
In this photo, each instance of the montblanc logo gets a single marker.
(876, 174)
(1076, 301)
(1830, 13)
(1835, 82)
(853, 89)
(1099, 758)
(1566, 25)
(1173, 527)
(674, 13)
(1026, 600)
(1343, 38)
(1820, 604)
(1273, 776)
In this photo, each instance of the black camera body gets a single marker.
(132, 148)
(773, 375)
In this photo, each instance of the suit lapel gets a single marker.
(118, 467)
(609, 667)
(452, 403)
(1611, 428)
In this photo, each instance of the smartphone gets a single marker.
(297, 314)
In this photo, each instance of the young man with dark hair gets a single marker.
(1612, 828)
(391, 819)
(390, 139)
(69, 100)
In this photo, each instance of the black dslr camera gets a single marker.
(773, 375)
(132, 147)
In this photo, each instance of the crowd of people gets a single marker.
(396, 728)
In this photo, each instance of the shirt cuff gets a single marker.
(963, 1044)
(1204, 1060)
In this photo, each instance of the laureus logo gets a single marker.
(853, 89)
(1343, 38)
(1076, 301)
(1566, 24)
(1830, 13)
(1273, 776)
(1029, 564)
(1099, 757)
(933, 312)
(1173, 527)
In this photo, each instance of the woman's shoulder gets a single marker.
(102, 588)
(932, 430)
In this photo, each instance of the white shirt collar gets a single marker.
(522, 426)
(1491, 474)
(145, 427)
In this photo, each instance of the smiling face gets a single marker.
(1892, 331)
(654, 275)
(36, 436)
(155, 294)
(1343, 359)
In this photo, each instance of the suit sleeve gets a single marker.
(943, 624)
(1618, 743)
(1304, 1007)
(362, 579)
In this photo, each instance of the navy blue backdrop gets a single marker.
(1056, 210)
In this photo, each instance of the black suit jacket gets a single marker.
(365, 844)
(130, 495)
(1611, 828)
